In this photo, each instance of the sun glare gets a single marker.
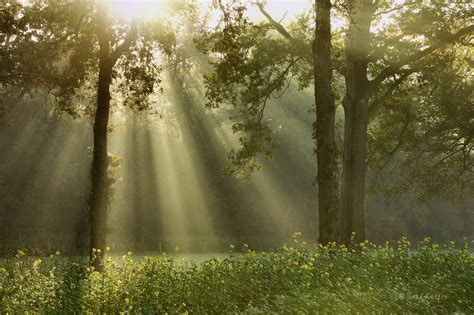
(143, 9)
(150, 9)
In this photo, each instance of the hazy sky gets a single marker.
(151, 8)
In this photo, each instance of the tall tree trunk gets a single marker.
(324, 126)
(99, 189)
(356, 122)
(354, 169)
(99, 197)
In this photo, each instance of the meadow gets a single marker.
(301, 278)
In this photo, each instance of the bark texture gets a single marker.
(99, 190)
(324, 126)
(356, 121)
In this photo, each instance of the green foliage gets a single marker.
(335, 279)
(251, 66)
(421, 140)
(60, 37)
(425, 132)
(424, 104)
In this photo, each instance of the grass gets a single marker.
(297, 279)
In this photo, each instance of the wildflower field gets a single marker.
(293, 279)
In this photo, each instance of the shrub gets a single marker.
(335, 279)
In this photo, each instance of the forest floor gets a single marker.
(297, 279)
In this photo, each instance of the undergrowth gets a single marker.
(293, 279)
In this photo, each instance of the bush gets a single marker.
(334, 279)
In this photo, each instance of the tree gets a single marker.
(324, 126)
(82, 44)
(100, 162)
(324, 129)
(251, 64)
(422, 139)
(365, 61)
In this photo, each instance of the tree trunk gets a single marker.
(99, 198)
(324, 126)
(354, 168)
(356, 121)
(99, 190)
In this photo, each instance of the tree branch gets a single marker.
(280, 28)
(126, 44)
(274, 87)
(104, 42)
(391, 153)
(396, 8)
(378, 104)
(395, 68)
